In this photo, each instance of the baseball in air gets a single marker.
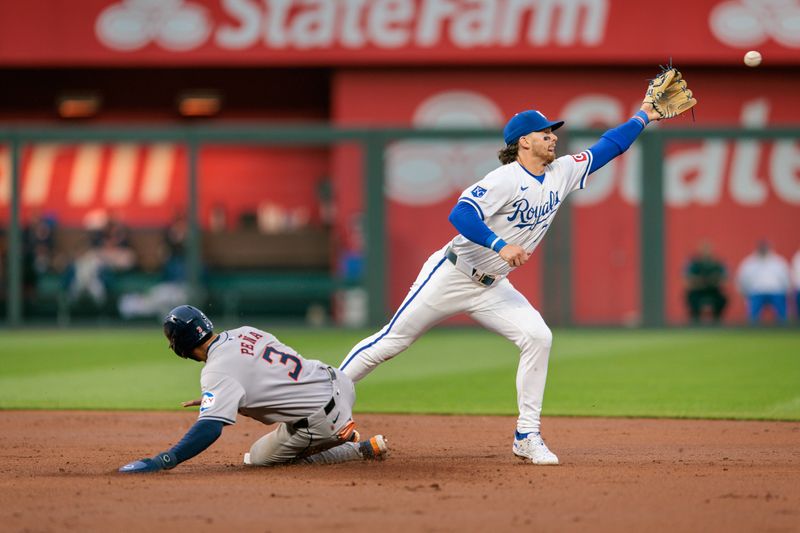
(752, 58)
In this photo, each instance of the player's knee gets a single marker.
(259, 453)
(539, 337)
(272, 448)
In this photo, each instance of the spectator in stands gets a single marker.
(38, 244)
(175, 237)
(352, 298)
(116, 250)
(763, 278)
(92, 271)
(351, 256)
(39, 241)
(704, 276)
(326, 203)
(85, 275)
(796, 281)
(172, 289)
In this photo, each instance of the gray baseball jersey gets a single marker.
(519, 206)
(250, 372)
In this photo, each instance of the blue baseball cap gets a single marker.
(526, 122)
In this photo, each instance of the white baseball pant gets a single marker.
(441, 291)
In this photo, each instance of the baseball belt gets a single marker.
(474, 273)
(303, 422)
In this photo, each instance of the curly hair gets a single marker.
(508, 154)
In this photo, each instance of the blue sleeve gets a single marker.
(469, 224)
(615, 141)
(199, 437)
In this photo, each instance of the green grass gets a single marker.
(670, 373)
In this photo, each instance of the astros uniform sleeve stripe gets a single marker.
(394, 318)
(222, 419)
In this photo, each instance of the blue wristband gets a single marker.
(642, 115)
(493, 242)
(498, 244)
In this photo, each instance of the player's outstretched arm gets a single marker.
(667, 96)
(199, 437)
(617, 140)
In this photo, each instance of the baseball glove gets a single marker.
(668, 94)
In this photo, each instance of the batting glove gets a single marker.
(162, 461)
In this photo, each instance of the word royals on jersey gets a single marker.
(517, 205)
(530, 217)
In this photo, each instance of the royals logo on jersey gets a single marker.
(478, 191)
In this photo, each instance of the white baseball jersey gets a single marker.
(250, 372)
(519, 206)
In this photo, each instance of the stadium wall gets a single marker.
(427, 63)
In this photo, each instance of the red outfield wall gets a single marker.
(731, 193)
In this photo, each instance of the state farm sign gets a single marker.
(379, 32)
(353, 24)
(753, 23)
(172, 24)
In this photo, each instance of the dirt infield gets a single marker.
(446, 473)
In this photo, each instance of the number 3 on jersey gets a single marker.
(284, 360)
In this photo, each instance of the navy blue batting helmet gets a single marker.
(187, 327)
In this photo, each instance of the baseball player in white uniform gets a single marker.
(501, 220)
(249, 371)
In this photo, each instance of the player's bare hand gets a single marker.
(652, 114)
(514, 255)
(191, 403)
